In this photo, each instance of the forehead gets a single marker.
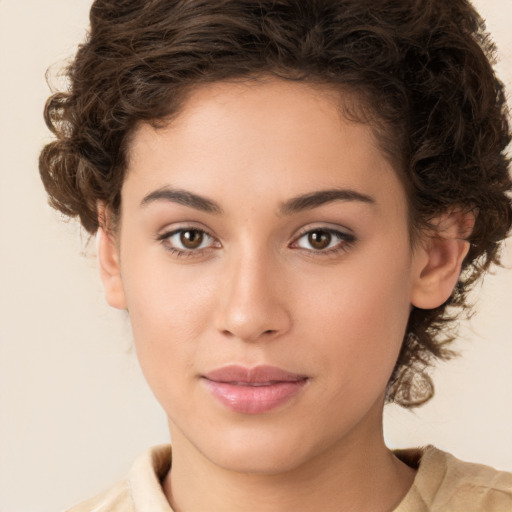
(222, 109)
(266, 138)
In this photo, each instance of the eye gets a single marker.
(187, 240)
(323, 240)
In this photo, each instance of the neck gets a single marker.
(356, 475)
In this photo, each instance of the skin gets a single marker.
(258, 291)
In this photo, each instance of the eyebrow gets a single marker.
(321, 197)
(296, 204)
(182, 197)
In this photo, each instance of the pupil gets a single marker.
(191, 239)
(320, 239)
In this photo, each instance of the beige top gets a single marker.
(442, 483)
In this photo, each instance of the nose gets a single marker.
(252, 303)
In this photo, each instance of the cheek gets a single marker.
(161, 294)
(359, 319)
(168, 311)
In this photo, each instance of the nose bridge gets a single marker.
(252, 304)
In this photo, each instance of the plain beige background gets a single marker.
(74, 409)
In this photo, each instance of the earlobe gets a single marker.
(438, 261)
(110, 270)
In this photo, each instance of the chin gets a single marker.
(259, 462)
(262, 451)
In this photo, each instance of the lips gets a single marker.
(253, 390)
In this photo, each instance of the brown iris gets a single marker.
(319, 239)
(192, 238)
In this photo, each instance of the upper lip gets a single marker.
(259, 374)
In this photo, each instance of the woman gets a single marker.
(292, 200)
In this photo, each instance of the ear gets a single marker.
(110, 269)
(438, 259)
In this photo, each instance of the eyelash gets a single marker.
(164, 238)
(345, 241)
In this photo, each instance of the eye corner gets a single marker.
(198, 243)
(323, 240)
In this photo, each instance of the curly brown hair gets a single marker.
(422, 70)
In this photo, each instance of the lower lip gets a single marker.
(248, 399)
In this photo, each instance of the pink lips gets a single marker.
(253, 390)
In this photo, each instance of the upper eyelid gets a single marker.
(323, 227)
(168, 231)
(164, 239)
(179, 230)
(346, 238)
(164, 235)
(340, 230)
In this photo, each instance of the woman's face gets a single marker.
(267, 270)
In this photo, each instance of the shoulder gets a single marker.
(115, 499)
(445, 483)
(140, 491)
